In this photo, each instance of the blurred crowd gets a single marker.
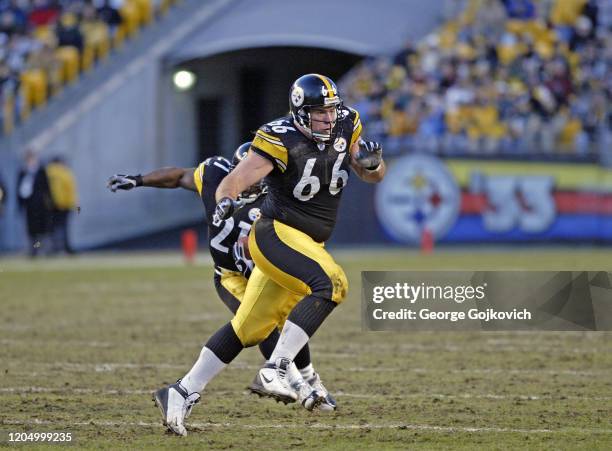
(499, 77)
(45, 44)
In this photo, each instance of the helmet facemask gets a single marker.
(305, 120)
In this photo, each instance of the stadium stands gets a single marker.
(47, 44)
(502, 77)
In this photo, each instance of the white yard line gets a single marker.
(110, 367)
(126, 259)
(339, 394)
(348, 353)
(90, 262)
(357, 369)
(407, 426)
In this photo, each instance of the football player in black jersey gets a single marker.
(223, 236)
(231, 264)
(305, 159)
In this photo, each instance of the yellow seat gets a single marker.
(517, 26)
(507, 53)
(452, 120)
(448, 39)
(498, 131)
(36, 81)
(69, 56)
(474, 133)
(97, 42)
(44, 33)
(87, 57)
(544, 50)
(567, 137)
(400, 123)
(465, 51)
(469, 13)
(146, 11)
(55, 81)
(8, 112)
(565, 12)
(131, 18)
(164, 6)
(119, 37)
(103, 43)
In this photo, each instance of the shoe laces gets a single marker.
(190, 399)
(282, 367)
(304, 390)
(316, 383)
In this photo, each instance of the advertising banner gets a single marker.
(494, 201)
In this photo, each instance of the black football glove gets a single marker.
(224, 209)
(369, 154)
(124, 182)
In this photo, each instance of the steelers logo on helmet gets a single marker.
(312, 92)
(297, 96)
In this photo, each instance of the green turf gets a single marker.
(83, 343)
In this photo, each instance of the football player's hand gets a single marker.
(369, 154)
(123, 182)
(224, 209)
(242, 258)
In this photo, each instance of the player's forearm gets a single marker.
(373, 176)
(250, 170)
(376, 175)
(228, 188)
(164, 178)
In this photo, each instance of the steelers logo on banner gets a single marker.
(417, 193)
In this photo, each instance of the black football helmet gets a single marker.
(315, 91)
(254, 191)
(240, 153)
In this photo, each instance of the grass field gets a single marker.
(84, 342)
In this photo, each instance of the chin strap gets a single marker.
(310, 134)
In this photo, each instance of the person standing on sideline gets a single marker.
(63, 188)
(34, 196)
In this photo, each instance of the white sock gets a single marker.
(307, 372)
(203, 371)
(292, 340)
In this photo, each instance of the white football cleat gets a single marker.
(272, 380)
(283, 382)
(328, 403)
(307, 395)
(175, 405)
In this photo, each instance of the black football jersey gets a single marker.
(223, 236)
(305, 187)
